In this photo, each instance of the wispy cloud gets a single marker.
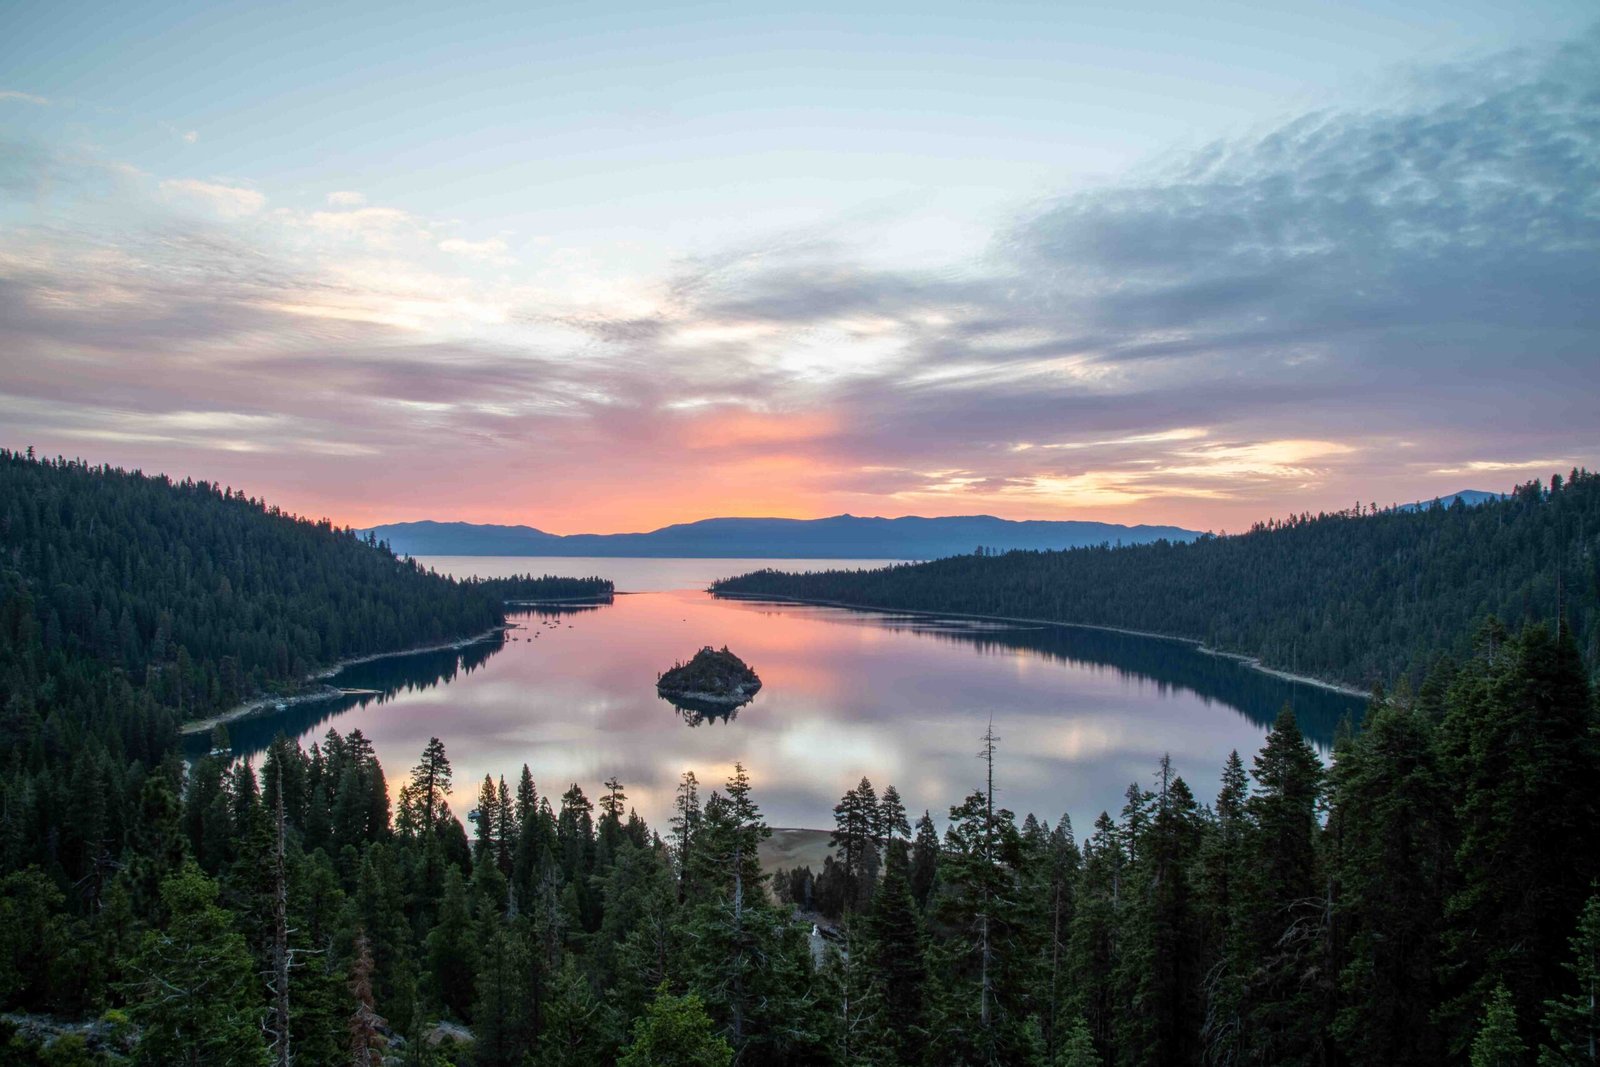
(23, 98)
(230, 201)
(1353, 304)
(491, 250)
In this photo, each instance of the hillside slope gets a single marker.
(142, 601)
(1351, 598)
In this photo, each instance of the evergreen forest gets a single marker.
(1427, 895)
(1358, 597)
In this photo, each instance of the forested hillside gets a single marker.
(1357, 597)
(136, 602)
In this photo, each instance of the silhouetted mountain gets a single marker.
(838, 537)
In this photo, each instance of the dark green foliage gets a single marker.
(452, 948)
(577, 1029)
(924, 860)
(1282, 908)
(192, 989)
(523, 588)
(1498, 1044)
(1520, 751)
(1162, 955)
(1392, 864)
(1573, 1018)
(1358, 598)
(1077, 1049)
(894, 958)
(856, 821)
(129, 604)
(675, 1032)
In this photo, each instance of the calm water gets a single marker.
(571, 692)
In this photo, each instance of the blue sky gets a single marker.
(1184, 262)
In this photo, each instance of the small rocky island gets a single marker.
(714, 676)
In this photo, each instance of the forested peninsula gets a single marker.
(1357, 597)
(130, 603)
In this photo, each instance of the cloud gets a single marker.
(493, 250)
(374, 227)
(1350, 305)
(191, 136)
(24, 98)
(229, 201)
(1481, 466)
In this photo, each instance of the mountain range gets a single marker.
(836, 537)
(1469, 497)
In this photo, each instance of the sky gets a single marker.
(606, 267)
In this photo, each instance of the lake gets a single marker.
(902, 699)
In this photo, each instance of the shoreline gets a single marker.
(326, 692)
(1252, 662)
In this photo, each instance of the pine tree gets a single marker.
(1282, 906)
(527, 796)
(746, 958)
(685, 825)
(892, 816)
(422, 798)
(894, 957)
(1498, 1044)
(1391, 809)
(987, 982)
(194, 991)
(1077, 1050)
(924, 860)
(675, 1032)
(1096, 946)
(1522, 752)
(577, 1030)
(1222, 931)
(856, 818)
(505, 828)
(1161, 962)
(847, 1001)
(380, 914)
(452, 950)
(1573, 1019)
(486, 822)
(501, 1020)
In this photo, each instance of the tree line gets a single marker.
(1358, 596)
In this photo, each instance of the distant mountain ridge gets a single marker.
(836, 537)
(1469, 497)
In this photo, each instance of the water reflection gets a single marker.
(900, 698)
(698, 712)
(1169, 663)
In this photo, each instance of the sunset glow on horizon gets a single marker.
(598, 272)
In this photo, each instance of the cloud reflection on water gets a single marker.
(900, 699)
